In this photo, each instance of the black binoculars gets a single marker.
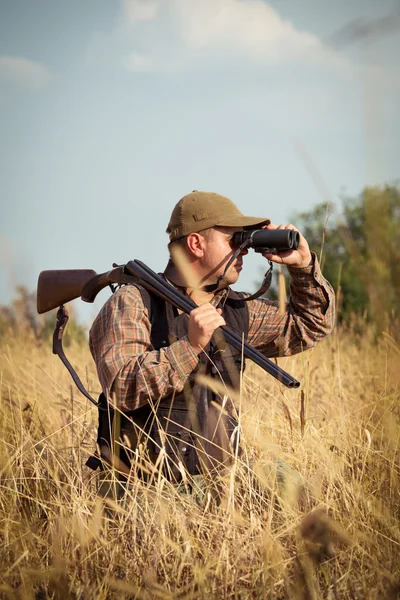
(266, 240)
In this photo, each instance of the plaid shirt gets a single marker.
(132, 373)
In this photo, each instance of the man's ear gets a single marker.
(196, 244)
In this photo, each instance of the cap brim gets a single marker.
(245, 222)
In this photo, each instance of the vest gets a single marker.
(194, 430)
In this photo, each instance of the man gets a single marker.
(149, 357)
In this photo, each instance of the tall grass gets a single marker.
(310, 510)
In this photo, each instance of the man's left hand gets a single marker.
(295, 258)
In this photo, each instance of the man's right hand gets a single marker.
(203, 321)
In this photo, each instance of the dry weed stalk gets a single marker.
(333, 533)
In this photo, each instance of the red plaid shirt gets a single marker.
(131, 372)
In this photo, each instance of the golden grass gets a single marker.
(316, 515)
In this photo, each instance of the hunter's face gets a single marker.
(218, 251)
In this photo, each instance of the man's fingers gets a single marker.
(273, 226)
(203, 321)
(204, 311)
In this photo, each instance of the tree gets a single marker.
(360, 252)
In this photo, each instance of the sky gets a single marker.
(111, 111)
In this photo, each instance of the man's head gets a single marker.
(203, 210)
(203, 223)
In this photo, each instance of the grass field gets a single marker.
(316, 516)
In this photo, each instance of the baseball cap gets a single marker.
(201, 210)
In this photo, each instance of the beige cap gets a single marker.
(202, 210)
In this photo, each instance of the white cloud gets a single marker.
(20, 70)
(139, 10)
(188, 30)
(245, 25)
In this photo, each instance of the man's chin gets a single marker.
(233, 277)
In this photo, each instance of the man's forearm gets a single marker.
(308, 318)
(152, 375)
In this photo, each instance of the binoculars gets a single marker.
(266, 240)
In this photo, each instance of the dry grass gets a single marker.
(336, 535)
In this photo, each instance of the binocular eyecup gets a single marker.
(266, 240)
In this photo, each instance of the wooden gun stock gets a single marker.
(97, 283)
(59, 287)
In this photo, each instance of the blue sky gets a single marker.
(112, 111)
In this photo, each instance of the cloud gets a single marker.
(200, 30)
(249, 26)
(21, 71)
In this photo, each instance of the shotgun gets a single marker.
(87, 284)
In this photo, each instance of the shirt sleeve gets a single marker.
(131, 372)
(308, 318)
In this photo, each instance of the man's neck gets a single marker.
(198, 296)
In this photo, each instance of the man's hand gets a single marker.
(295, 258)
(203, 321)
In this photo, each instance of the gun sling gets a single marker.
(61, 322)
